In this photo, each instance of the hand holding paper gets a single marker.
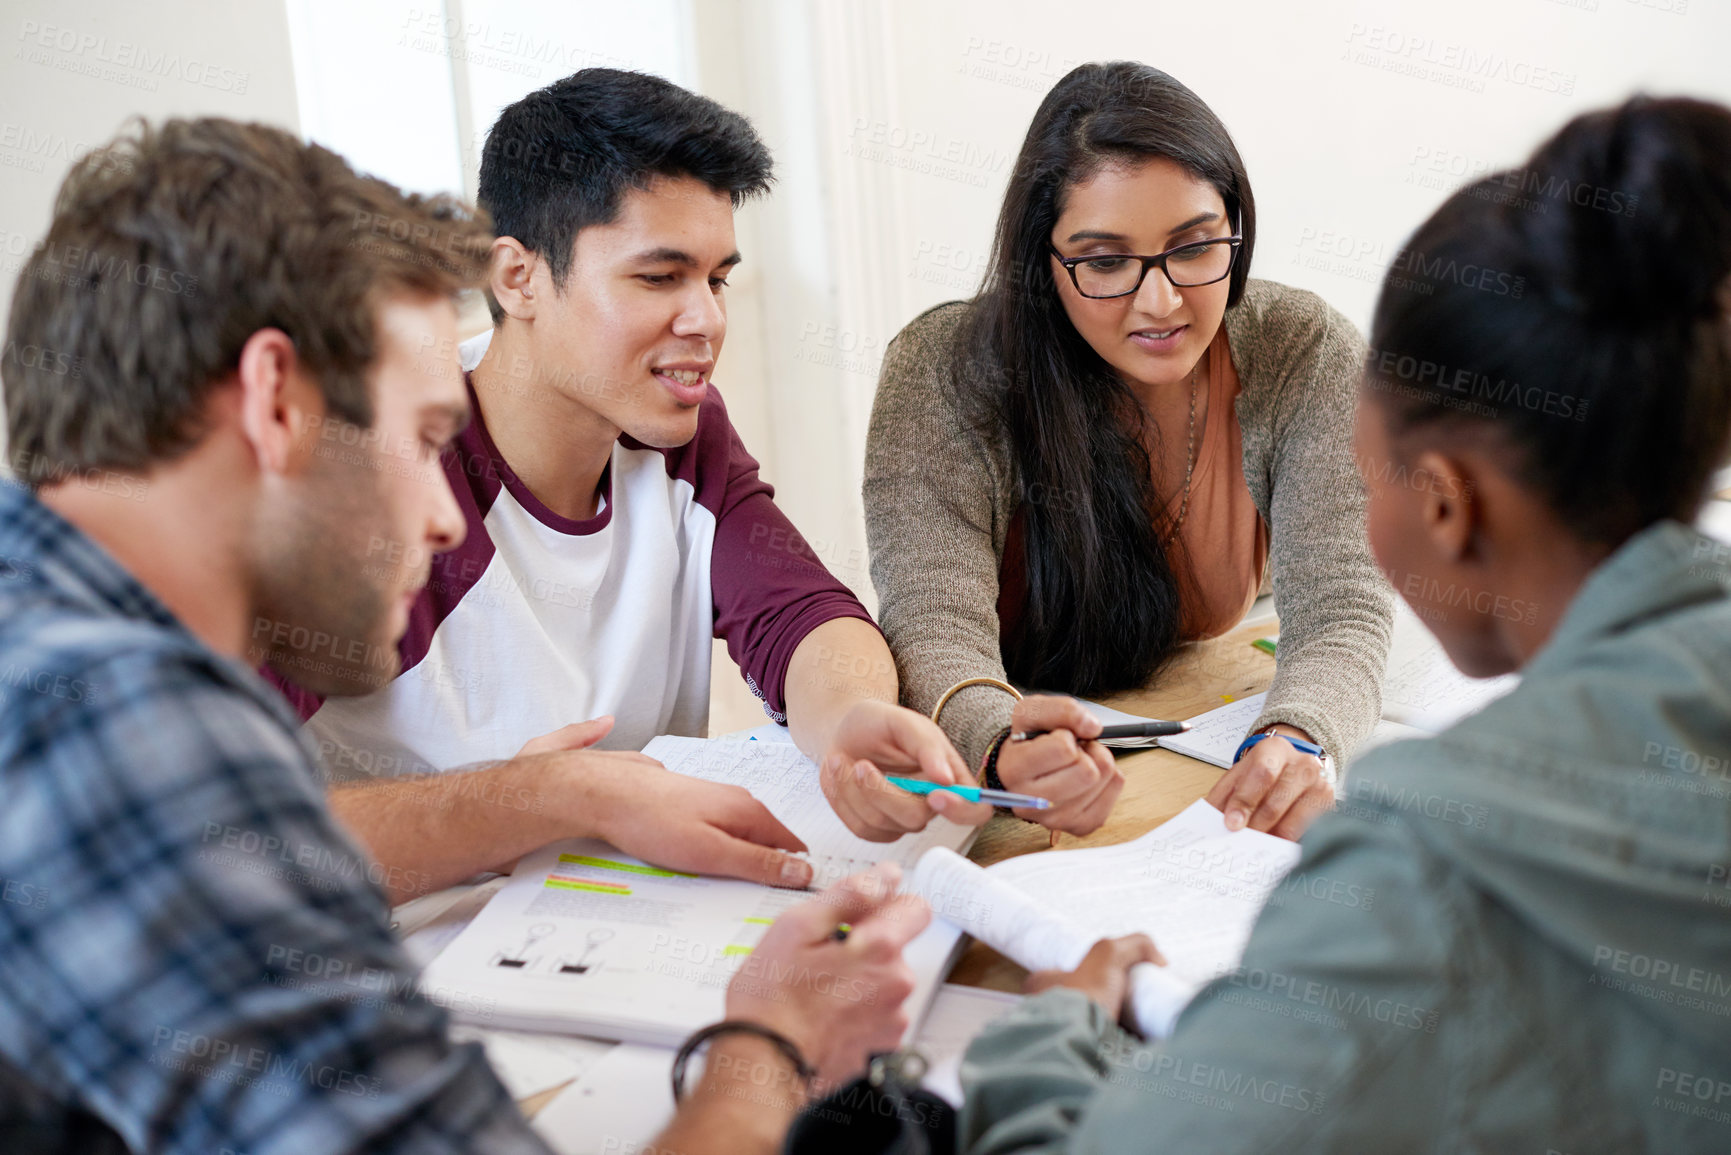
(1106, 973)
(1189, 885)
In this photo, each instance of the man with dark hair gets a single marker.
(219, 391)
(616, 522)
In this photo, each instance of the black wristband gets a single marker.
(738, 1027)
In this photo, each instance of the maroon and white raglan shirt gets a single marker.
(537, 621)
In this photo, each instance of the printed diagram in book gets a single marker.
(523, 957)
(582, 964)
(534, 948)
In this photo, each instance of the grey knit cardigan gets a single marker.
(939, 497)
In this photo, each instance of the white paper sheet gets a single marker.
(768, 732)
(529, 1064)
(428, 924)
(786, 781)
(1385, 732)
(1110, 717)
(1192, 886)
(619, 1104)
(1214, 737)
(1423, 688)
(958, 1014)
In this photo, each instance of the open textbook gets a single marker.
(585, 940)
(1191, 885)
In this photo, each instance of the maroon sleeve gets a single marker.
(304, 702)
(769, 587)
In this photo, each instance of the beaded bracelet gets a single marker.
(989, 764)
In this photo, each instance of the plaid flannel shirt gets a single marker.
(193, 956)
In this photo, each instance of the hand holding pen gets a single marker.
(1147, 729)
(1059, 759)
(876, 739)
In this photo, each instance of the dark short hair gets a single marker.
(562, 158)
(1573, 312)
(169, 248)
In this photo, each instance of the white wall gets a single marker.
(896, 123)
(75, 70)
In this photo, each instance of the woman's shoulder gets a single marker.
(1281, 333)
(919, 358)
(934, 330)
(1275, 321)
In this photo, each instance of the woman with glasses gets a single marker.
(1104, 454)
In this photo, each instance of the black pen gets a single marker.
(1127, 730)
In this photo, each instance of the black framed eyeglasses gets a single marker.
(1108, 275)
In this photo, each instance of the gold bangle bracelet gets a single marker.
(997, 683)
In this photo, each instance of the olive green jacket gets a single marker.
(1514, 937)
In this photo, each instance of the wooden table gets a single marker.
(1157, 783)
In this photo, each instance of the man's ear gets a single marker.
(1452, 517)
(510, 276)
(275, 400)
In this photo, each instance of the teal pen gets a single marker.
(973, 793)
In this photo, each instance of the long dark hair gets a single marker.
(1577, 307)
(1102, 606)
